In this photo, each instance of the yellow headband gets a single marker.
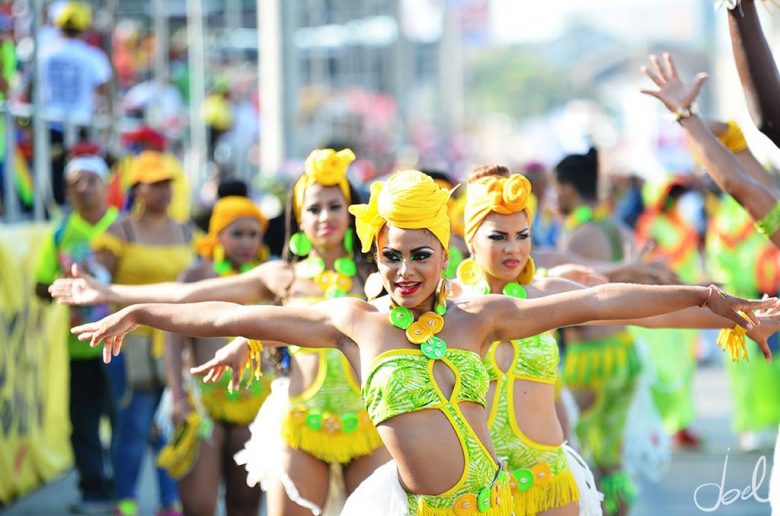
(327, 168)
(226, 211)
(503, 195)
(408, 200)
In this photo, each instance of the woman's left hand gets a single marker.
(729, 307)
(110, 331)
(672, 91)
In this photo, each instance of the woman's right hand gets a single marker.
(80, 289)
(110, 330)
(231, 356)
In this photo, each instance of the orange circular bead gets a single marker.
(465, 505)
(298, 414)
(331, 424)
(542, 474)
(432, 321)
(417, 333)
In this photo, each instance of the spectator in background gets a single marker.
(89, 394)
(71, 73)
(218, 113)
(146, 246)
(7, 79)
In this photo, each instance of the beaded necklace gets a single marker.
(422, 332)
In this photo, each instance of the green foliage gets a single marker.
(516, 81)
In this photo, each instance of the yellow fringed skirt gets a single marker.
(328, 420)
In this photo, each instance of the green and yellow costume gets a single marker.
(609, 368)
(328, 419)
(401, 381)
(553, 485)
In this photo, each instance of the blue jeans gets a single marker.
(89, 401)
(133, 435)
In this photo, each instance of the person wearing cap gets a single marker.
(136, 143)
(71, 73)
(145, 246)
(90, 400)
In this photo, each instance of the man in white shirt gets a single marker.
(71, 74)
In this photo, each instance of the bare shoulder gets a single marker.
(590, 241)
(198, 272)
(276, 276)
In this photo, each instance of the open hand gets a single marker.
(79, 289)
(769, 325)
(231, 356)
(110, 331)
(672, 91)
(729, 307)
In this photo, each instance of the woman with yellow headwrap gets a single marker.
(212, 422)
(323, 421)
(522, 415)
(423, 380)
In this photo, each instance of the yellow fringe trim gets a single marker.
(560, 491)
(505, 507)
(336, 448)
(254, 362)
(732, 340)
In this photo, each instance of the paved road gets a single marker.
(671, 497)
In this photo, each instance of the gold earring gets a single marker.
(526, 276)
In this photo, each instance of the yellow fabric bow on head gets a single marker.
(408, 200)
(327, 168)
(226, 211)
(504, 195)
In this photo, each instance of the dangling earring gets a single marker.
(441, 297)
(346, 265)
(470, 273)
(526, 276)
(349, 241)
(300, 245)
(221, 266)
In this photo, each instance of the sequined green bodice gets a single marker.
(401, 381)
(535, 358)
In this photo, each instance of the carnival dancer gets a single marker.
(145, 246)
(601, 365)
(323, 422)
(522, 418)
(419, 370)
(212, 423)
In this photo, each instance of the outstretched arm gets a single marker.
(83, 289)
(721, 164)
(757, 69)
(313, 325)
(515, 318)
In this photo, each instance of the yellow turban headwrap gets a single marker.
(226, 211)
(503, 195)
(327, 168)
(408, 200)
